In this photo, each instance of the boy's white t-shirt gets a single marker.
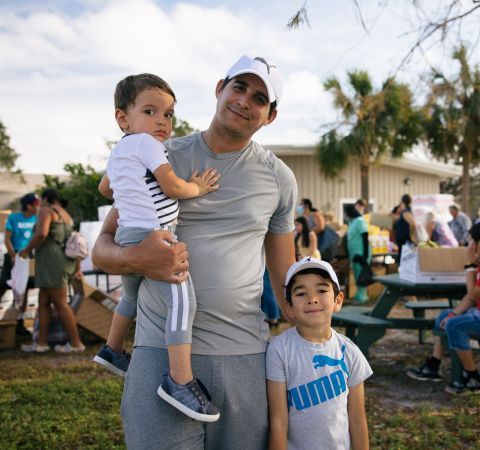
(318, 377)
(138, 197)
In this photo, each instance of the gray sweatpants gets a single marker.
(237, 386)
(180, 298)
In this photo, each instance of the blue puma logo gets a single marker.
(322, 360)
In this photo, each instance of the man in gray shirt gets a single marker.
(229, 234)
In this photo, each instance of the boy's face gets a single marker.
(152, 113)
(313, 300)
(243, 106)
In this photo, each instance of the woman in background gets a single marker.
(358, 247)
(52, 272)
(305, 239)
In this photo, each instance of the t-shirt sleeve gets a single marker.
(9, 226)
(282, 220)
(360, 370)
(477, 281)
(151, 153)
(275, 363)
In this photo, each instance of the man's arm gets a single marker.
(280, 255)
(158, 256)
(357, 418)
(278, 415)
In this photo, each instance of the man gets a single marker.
(460, 224)
(227, 233)
(18, 232)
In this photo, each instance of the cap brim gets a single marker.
(312, 263)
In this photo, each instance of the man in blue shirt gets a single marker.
(18, 232)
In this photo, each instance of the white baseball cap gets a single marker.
(259, 66)
(311, 263)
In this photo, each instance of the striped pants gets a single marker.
(179, 298)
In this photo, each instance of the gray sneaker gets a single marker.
(191, 399)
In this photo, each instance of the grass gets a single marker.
(58, 402)
(67, 402)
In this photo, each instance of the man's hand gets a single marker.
(161, 257)
(158, 256)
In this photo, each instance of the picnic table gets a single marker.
(366, 325)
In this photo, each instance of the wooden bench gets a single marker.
(419, 308)
(455, 361)
(363, 329)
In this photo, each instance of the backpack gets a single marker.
(76, 246)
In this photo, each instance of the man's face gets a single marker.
(454, 212)
(243, 106)
(152, 113)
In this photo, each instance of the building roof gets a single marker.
(414, 160)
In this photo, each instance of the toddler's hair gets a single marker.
(129, 88)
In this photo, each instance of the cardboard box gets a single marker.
(442, 265)
(7, 334)
(8, 314)
(95, 312)
(381, 220)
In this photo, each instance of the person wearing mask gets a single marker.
(359, 251)
(315, 219)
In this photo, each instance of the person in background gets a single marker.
(460, 224)
(439, 232)
(315, 219)
(18, 232)
(305, 239)
(405, 225)
(52, 272)
(459, 323)
(359, 251)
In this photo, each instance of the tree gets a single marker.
(440, 20)
(80, 190)
(181, 128)
(8, 156)
(452, 119)
(375, 125)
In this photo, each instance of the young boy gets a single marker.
(145, 188)
(314, 374)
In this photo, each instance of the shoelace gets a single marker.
(199, 395)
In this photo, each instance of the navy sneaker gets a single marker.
(115, 362)
(192, 399)
(424, 373)
(464, 386)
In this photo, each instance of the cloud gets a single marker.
(59, 67)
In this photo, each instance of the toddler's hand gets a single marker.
(206, 181)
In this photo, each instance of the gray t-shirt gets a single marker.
(225, 232)
(318, 377)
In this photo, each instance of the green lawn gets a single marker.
(67, 402)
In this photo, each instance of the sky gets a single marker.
(61, 59)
